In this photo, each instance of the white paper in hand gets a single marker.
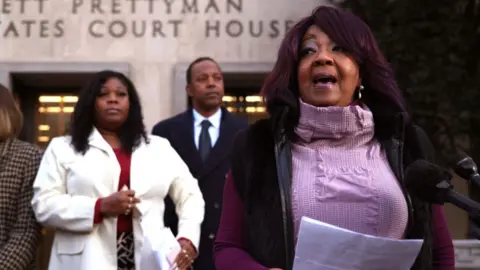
(164, 247)
(324, 246)
(168, 251)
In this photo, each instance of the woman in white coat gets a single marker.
(105, 182)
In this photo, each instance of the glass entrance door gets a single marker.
(53, 117)
(250, 107)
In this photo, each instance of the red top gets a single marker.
(124, 223)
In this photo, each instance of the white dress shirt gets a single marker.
(213, 130)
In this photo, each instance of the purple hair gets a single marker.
(381, 93)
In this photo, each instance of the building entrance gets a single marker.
(242, 95)
(47, 101)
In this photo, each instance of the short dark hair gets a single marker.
(382, 94)
(196, 61)
(83, 118)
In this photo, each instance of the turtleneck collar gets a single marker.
(351, 123)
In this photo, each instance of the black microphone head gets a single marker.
(463, 165)
(427, 181)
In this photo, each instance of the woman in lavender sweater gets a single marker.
(334, 149)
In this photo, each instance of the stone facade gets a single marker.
(467, 254)
(151, 40)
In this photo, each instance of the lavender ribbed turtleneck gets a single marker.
(340, 176)
(340, 173)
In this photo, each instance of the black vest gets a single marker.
(261, 167)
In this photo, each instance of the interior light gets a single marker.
(70, 99)
(43, 139)
(253, 99)
(50, 99)
(68, 109)
(229, 99)
(43, 127)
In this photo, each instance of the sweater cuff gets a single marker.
(191, 243)
(97, 218)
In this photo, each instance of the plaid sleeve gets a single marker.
(20, 250)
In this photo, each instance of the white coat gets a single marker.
(68, 185)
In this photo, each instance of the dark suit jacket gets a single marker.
(210, 175)
(19, 231)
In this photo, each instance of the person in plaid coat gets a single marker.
(19, 162)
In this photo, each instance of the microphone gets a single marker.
(432, 184)
(465, 167)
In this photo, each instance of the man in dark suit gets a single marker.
(203, 137)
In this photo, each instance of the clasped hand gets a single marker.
(119, 203)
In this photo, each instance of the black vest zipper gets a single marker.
(283, 160)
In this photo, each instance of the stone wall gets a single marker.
(467, 254)
(153, 37)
